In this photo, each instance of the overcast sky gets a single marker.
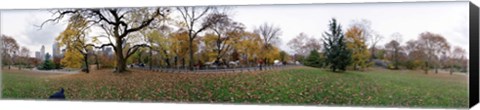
(23, 26)
(449, 19)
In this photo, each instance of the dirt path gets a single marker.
(39, 73)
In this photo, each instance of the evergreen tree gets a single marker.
(47, 64)
(313, 59)
(338, 57)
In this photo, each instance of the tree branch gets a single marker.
(99, 47)
(58, 18)
(101, 16)
(144, 23)
(134, 49)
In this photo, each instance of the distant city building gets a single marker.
(56, 50)
(42, 53)
(38, 55)
(107, 51)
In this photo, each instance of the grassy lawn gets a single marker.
(299, 85)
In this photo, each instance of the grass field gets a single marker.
(298, 85)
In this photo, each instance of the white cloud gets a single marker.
(23, 26)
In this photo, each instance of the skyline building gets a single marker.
(42, 53)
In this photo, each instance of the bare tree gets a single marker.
(368, 34)
(313, 44)
(118, 24)
(24, 55)
(394, 48)
(302, 44)
(397, 37)
(415, 53)
(374, 39)
(458, 55)
(9, 50)
(434, 45)
(410, 47)
(365, 26)
(441, 47)
(270, 37)
(24, 52)
(225, 30)
(448, 61)
(192, 18)
(298, 43)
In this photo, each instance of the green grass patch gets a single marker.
(304, 86)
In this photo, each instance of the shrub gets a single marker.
(313, 59)
(47, 64)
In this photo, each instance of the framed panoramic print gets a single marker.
(390, 54)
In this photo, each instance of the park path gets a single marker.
(56, 71)
(216, 70)
(34, 70)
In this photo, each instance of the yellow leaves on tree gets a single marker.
(161, 42)
(73, 38)
(210, 41)
(180, 45)
(273, 54)
(249, 45)
(72, 59)
(356, 44)
(219, 47)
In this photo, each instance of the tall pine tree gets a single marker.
(338, 57)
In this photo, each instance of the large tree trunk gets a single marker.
(265, 63)
(151, 59)
(96, 62)
(121, 63)
(190, 45)
(85, 59)
(167, 60)
(183, 63)
(217, 59)
(373, 53)
(175, 61)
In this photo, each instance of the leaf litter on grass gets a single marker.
(301, 85)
